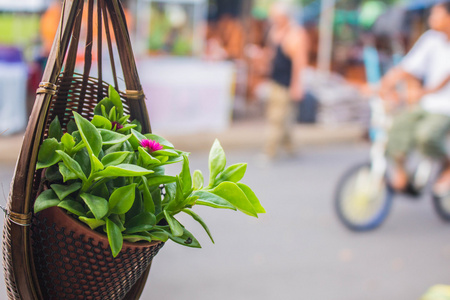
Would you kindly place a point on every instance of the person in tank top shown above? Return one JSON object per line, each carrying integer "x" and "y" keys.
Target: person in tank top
{"x": 289, "y": 46}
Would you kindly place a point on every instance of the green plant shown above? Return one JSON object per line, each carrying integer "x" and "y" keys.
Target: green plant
{"x": 109, "y": 175}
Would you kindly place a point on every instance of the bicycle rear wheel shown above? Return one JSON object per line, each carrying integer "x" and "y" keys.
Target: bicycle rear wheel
{"x": 363, "y": 199}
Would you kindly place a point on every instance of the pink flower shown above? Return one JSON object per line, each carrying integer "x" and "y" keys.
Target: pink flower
{"x": 116, "y": 125}
{"x": 151, "y": 145}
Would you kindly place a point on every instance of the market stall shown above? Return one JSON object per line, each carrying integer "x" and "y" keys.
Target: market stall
{"x": 187, "y": 92}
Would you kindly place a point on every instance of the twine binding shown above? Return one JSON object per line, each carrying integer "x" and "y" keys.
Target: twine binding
{"x": 46, "y": 88}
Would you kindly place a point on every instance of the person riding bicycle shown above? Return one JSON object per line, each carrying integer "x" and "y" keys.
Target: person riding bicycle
{"x": 424, "y": 125}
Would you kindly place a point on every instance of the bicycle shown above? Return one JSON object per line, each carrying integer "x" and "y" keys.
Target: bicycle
{"x": 363, "y": 196}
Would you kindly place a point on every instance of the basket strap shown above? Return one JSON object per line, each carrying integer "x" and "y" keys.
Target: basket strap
{"x": 138, "y": 109}
{"x": 108, "y": 39}
{"x": 73, "y": 48}
{"x": 87, "y": 55}
{"x": 99, "y": 50}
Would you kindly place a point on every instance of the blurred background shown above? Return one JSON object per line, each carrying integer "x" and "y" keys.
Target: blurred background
{"x": 204, "y": 71}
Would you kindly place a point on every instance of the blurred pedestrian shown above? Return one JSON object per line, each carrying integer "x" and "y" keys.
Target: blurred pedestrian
{"x": 289, "y": 45}
{"x": 426, "y": 122}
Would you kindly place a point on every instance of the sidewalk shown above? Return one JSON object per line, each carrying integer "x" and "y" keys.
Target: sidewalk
{"x": 240, "y": 135}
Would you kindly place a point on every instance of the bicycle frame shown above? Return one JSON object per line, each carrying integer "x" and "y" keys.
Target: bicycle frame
{"x": 380, "y": 123}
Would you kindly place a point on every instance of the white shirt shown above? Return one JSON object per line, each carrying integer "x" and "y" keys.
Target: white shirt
{"x": 429, "y": 60}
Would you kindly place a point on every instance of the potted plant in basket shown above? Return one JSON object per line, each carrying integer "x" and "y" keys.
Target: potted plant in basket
{"x": 110, "y": 176}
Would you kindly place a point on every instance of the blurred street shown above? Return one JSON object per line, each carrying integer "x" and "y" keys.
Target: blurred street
{"x": 244, "y": 71}
{"x": 299, "y": 250}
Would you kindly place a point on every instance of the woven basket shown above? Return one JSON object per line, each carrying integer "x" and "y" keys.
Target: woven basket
{"x": 25, "y": 244}
{"x": 74, "y": 262}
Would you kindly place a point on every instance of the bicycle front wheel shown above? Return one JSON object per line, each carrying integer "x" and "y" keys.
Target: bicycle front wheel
{"x": 363, "y": 199}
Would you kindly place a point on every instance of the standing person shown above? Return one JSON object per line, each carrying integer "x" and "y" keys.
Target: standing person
{"x": 289, "y": 45}
{"x": 425, "y": 124}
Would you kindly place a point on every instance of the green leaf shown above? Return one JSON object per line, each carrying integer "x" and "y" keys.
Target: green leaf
{"x": 46, "y": 200}
{"x": 217, "y": 162}
{"x": 138, "y": 125}
{"x": 186, "y": 239}
{"x": 53, "y": 174}
{"x": 159, "y": 139}
{"x": 123, "y": 170}
{"x": 172, "y": 160}
{"x": 71, "y": 126}
{"x": 136, "y": 138}
{"x": 114, "y": 237}
{"x": 55, "y": 130}
{"x": 101, "y": 122}
{"x": 101, "y": 190}
{"x": 138, "y": 205}
{"x": 166, "y": 152}
{"x": 47, "y": 155}
{"x": 68, "y": 141}
{"x": 103, "y": 107}
{"x": 97, "y": 163}
{"x": 115, "y": 99}
{"x": 136, "y": 238}
{"x": 198, "y": 180}
{"x": 252, "y": 198}
{"x": 175, "y": 226}
{"x": 117, "y": 148}
{"x": 119, "y": 220}
{"x": 231, "y": 192}
{"x": 83, "y": 159}
{"x": 72, "y": 206}
{"x": 126, "y": 128}
{"x": 160, "y": 179}
{"x": 112, "y": 114}
{"x": 233, "y": 173}
{"x": 156, "y": 196}
{"x": 90, "y": 135}
{"x": 158, "y": 235}
{"x": 122, "y": 199}
{"x": 72, "y": 165}
{"x": 97, "y": 205}
{"x": 111, "y": 137}
{"x": 149, "y": 205}
{"x": 147, "y": 159}
{"x": 199, "y": 220}
{"x": 171, "y": 191}
{"x": 92, "y": 223}
{"x": 212, "y": 200}
{"x": 185, "y": 176}
{"x": 142, "y": 222}
{"x": 127, "y": 146}
{"x": 66, "y": 173}
{"x": 63, "y": 190}
{"x": 114, "y": 159}
{"x": 124, "y": 119}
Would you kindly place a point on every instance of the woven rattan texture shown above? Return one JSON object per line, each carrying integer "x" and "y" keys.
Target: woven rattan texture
{"x": 71, "y": 267}
{"x": 75, "y": 95}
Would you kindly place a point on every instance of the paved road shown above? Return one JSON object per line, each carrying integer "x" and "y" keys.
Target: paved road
{"x": 298, "y": 250}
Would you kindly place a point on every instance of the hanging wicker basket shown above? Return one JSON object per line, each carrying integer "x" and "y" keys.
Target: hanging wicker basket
{"x": 44, "y": 256}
